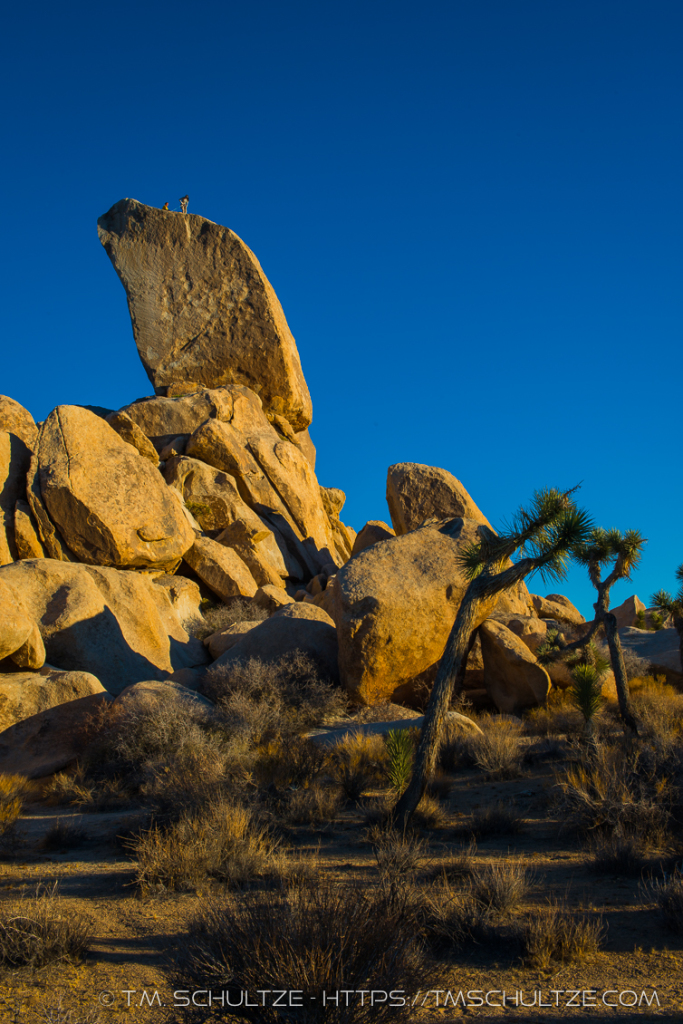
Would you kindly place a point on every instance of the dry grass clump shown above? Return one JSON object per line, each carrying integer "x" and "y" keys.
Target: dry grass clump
{"x": 357, "y": 762}
{"x": 497, "y": 819}
{"x": 457, "y": 750}
{"x": 13, "y": 791}
{"x": 223, "y": 842}
{"x": 499, "y": 888}
{"x": 257, "y": 698}
{"x": 451, "y": 918}
{"x": 555, "y": 935}
{"x": 458, "y": 864}
{"x": 38, "y": 931}
{"x": 618, "y": 854}
{"x": 75, "y": 789}
{"x": 557, "y": 717}
{"x": 616, "y": 790}
{"x": 222, "y": 616}
{"x": 429, "y": 813}
{"x": 63, "y": 835}
{"x": 659, "y": 709}
{"x": 666, "y": 894}
{"x": 498, "y": 752}
{"x": 317, "y": 937}
{"x": 289, "y": 761}
{"x": 397, "y": 853}
{"x": 313, "y": 805}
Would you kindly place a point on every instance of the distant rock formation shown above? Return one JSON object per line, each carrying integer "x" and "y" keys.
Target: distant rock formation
{"x": 202, "y": 308}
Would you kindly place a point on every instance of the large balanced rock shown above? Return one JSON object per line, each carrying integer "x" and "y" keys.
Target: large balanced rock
{"x": 53, "y": 738}
{"x": 416, "y": 492}
{"x": 558, "y": 607}
{"x": 296, "y": 627}
{"x": 17, "y": 420}
{"x": 110, "y": 505}
{"x": 395, "y": 604}
{"x": 512, "y": 676}
{"x": 23, "y": 694}
{"x": 15, "y": 460}
{"x": 118, "y": 625}
{"x": 202, "y": 308}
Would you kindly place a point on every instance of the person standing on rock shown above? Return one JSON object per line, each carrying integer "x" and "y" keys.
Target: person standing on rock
{"x": 165, "y": 206}
{"x": 183, "y": 203}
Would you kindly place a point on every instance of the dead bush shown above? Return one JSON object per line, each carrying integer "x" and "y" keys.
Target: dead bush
{"x": 451, "y": 918}
{"x": 291, "y": 761}
{"x": 39, "y": 930}
{"x": 313, "y": 805}
{"x": 666, "y": 894}
{"x": 396, "y": 853}
{"x": 616, "y": 790}
{"x": 555, "y": 935}
{"x": 497, "y": 819}
{"x": 317, "y": 937}
{"x": 659, "y": 708}
{"x": 498, "y": 751}
{"x": 223, "y": 842}
{"x": 222, "y": 616}
{"x": 286, "y": 697}
{"x": 499, "y": 888}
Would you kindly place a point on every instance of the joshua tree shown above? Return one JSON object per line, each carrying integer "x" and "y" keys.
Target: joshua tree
{"x": 664, "y": 602}
{"x": 600, "y": 548}
{"x": 543, "y": 536}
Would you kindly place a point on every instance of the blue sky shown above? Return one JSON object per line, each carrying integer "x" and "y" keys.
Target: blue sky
{"x": 471, "y": 212}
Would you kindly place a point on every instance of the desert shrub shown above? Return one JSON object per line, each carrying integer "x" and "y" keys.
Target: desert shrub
{"x": 615, "y": 790}
{"x": 63, "y": 835}
{"x": 457, "y": 748}
{"x": 222, "y": 616}
{"x": 38, "y": 931}
{"x": 497, "y": 819}
{"x": 498, "y": 751}
{"x": 557, "y": 717}
{"x": 289, "y": 761}
{"x": 634, "y": 665}
{"x": 312, "y": 805}
{"x": 74, "y": 788}
{"x": 222, "y": 841}
{"x": 286, "y": 697}
{"x": 400, "y": 755}
{"x": 13, "y": 791}
{"x": 396, "y": 853}
{"x": 659, "y": 708}
{"x": 618, "y": 853}
{"x": 451, "y": 918}
{"x": 318, "y": 936}
{"x": 666, "y": 894}
{"x": 429, "y": 813}
{"x": 555, "y": 935}
{"x": 499, "y": 888}
{"x": 356, "y": 762}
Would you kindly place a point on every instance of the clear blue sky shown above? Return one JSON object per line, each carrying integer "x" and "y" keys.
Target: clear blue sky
{"x": 471, "y": 211}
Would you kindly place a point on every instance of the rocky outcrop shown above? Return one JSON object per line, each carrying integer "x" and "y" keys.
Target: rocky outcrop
{"x": 130, "y": 432}
{"x": 26, "y": 537}
{"x": 202, "y": 308}
{"x": 557, "y": 607}
{"x": 118, "y": 625}
{"x": 167, "y": 419}
{"x": 661, "y": 649}
{"x": 219, "y": 643}
{"x": 512, "y": 676}
{"x": 416, "y": 492}
{"x": 17, "y": 420}
{"x": 221, "y": 569}
{"x": 185, "y": 597}
{"x": 155, "y": 697}
{"x": 372, "y": 533}
{"x": 297, "y": 627}
{"x": 394, "y": 606}
{"x": 15, "y": 460}
{"x": 627, "y": 612}
{"x": 110, "y": 506}
{"x": 20, "y": 638}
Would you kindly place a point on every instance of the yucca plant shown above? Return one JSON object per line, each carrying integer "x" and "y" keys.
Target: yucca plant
{"x": 586, "y": 695}
{"x": 401, "y": 751}
{"x": 542, "y": 538}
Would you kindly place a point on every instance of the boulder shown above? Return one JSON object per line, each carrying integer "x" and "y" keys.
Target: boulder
{"x": 555, "y": 606}
{"x": 154, "y": 696}
{"x": 627, "y": 612}
{"x": 531, "y": 630}
{"x": 661, "y": 649}
{"x": 111, "y": 506}
{"x": 271, "y": 599}
{"x": 118, "y": 625}
{"x": 171, "y": 420}
{"x": 344, "y": 537}
{"x": 131, "y": 433}
{"x": 247, "y": 541}
{"x": 185, "y": 597}
{"x": 17, "y": 420}
{"x": 219, "y": 643}
{"x": 394, "y": 606}
{"x": 202, "y": 308}
{"x": 15, "y": 461}
{"x": 512, "y": 676}
{"x": 23, "y": 694}
{"x": 20, "y": 638}
{"x": 51, "y": 740}
{"x": 298, "y": 627}
{"x": 26, "y": 536}
{"x": 372, "y": 533}
{"x": 416, "y": 492}
{"x": 221, "y": 569}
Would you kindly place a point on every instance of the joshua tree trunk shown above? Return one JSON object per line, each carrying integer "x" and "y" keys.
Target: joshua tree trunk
{"x": 620, "y": 677}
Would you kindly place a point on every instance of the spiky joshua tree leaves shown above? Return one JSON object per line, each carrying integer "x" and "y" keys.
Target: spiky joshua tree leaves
{"x": 666, "y": 604}
{"x": 623, "y": 551}
{"x": 541, "y": 537}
